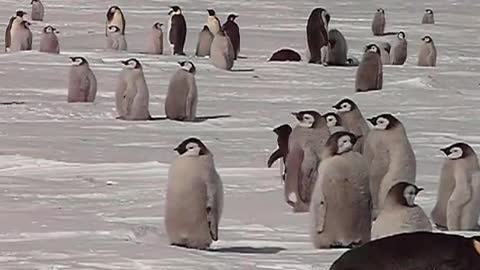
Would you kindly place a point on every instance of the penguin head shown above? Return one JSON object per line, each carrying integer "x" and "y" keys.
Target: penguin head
{"x": 232, "y": 17}
{"x": 111, "y": 12}
{"x": 458, "y": 151}
{"x": 384, "y": 121}
{"x": 132, "y": 63}
{"x": 325, "y": 17}
{"x": 175, "y": 10}
{"x": 113, "y": 29}
{"x": 372, "y": 48}
{"x": 211, "y": 12}
{"x": 429, "y": 11}
{"x": 345, "y": 105}
{"x": 427, "y": 39}
{"x": 192, "y": 147}
{"x": 188, "y": 66}
{"x": 307, "y": 119}
{"x": 401, "y": 35}
{"x": 50, "y": 29}
{"x": 78, "y": 61}
{"x": 404, "y": 193}
{"x": 20, "y": 13}
{"x": 333, "y": 120}
{"x": 158, "y": 25}
{"x": 283, "y": 130}
{"x": 341, "y": 142}
{"x": 380, "y": 10}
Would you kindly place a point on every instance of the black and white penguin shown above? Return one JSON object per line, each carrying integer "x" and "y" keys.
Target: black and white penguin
{"x": 317, "y": 36}
{"x": 177, "y": 30}
{"x": 283, "y": 133}
{"x": 233, "y": 32}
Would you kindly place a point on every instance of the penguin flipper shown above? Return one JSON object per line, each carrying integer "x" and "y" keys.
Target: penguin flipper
{"x": 214, "y": 203}
{"x": 461, "y": 196}
{"x": 320, "y": 210}
{"x": 309, "y": 173}
{"x": 274, "y": 157}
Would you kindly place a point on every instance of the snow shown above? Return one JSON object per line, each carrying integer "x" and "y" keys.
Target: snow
{"x": 81, "y": 190}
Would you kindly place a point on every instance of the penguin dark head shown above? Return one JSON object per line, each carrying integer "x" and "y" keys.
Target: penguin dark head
{"x": 401, "y": 35}
{"x": 429, "y": 11}
{"x": 381, "y": 10}
{"x": 427, "y": 39}
{"x": 78, "y": 61}
{"x": 26, "y": 24}
{"x": 34, "y": 1}
{"x": 132, "y": 63}
{"x": 323, "y": 14}
{"x": 158, "y": 25}
{"x": 308, "y": 119}
{"x": 340, "y": 142}
{"x": 458, "y": 150}
{"x": 345, "y": 105}
{"x": 372, "y": 48}
{"x": 403, "y": 193}
{"x": 50, "y": 29}
{"x": 188, "y": 66}
{"x": 20, "y": 13}
{"x": 211, "y": 12}
{"x": 232, "y": 17}
{"x": 333, "y": 120}
{"x": 283, "y": 130}
{"x": 384, "y": 121}
{"x": 192, "y": 147}
{"x": 111, "y": 12}
{"x": 175, "y": 10}
{"x": 113, "y": 29}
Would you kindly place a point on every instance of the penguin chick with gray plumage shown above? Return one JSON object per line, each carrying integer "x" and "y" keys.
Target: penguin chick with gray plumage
{"x": 340, "y": 211}
{"x": 400, "y": 214}
{"x": 337, "y": 48}
{"x": 353, "y": 121}
{"x": 132, "y": 94}
{"x": 427, "y": 56}
{"x": 49, "y": 40}
{"x": 222, "y": 54}
{"x": 378, "y": 23}
{"x": 182, "y": 95}
{"x": 233, "y": 32}
{"x": 38, "y": 10}
{"x": 369, "y": 75}
{"x": 115, "y": 39}
{"x": 334, "y": 122}
{"x": 385, "y": 48}
{"x": 283, "y": 133}
{"x": 317, "y": 36}
{"x": 428, "y": 17}
{"x": 194, "y": 201}
{"x": 398, "y": 53}
{"x": 155, "y": 39}
{"x": 82, "y": 83}
{"x": 205, "y": 39}
{"x": 17, "y": 19}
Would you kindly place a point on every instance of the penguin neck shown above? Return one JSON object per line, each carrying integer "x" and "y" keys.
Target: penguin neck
{"x": 355, "y": 122}
{"x": 469, "y": 163}
{"x": 393, "y": 202}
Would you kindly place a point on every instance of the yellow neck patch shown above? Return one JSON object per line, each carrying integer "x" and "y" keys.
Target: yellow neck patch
{"x": 476, "y": 245}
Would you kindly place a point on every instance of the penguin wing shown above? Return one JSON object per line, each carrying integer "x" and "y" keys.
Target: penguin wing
{"x": 319, "y": 206}
{"x": 92, "y": 91}
{"x": 177, "y": 30}
{"x": 273, "y": 157}
{"x": 460, "y": 197}
{"x": 308, "y": 176}
{"x": 214, "y": 202}
{"x": 120, "y": 95}
{"x": 85, "y": 85}
{"x": 8, "y": 36}
{"x": 191, "y": 97}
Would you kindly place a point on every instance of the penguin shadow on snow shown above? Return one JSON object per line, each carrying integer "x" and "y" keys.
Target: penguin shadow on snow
{"x": 7, "y": 103}
{"x": 248, "y": 250}
{"x": 198, "y": 119}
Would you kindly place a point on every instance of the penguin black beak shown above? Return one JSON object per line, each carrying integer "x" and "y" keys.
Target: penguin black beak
{"x": 170, "y": 12}
{"x": 444, "y": 150}
{"x": 72, "y": 59}
{"x": 125, "y": 62}
{"x": 295, "y": 114}
{"x": 419, "y": 190}
{"x": 175, "y": 149}
{"x": 371, "y": 120}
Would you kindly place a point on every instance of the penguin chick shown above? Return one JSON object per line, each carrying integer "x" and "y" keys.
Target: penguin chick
{"x": 213, "y": 22}
{"x": 370, "y": 71}
{"x": 385, "y": 48}
{"x": 398, "y": 54}
{"x": 400, "y": 213}
{"x": 194, "y": 201}
{"x": 233, "y": 32}
{"x": 116, "y": 18}
{"x": 353, "y": 121}
{"x": 82, "y": 83}
{"x": 285, "y": 55}
{"x": 182, "y": 96}
{"x": 337, "y": 48}
{"x": 317, "y": 36}
{"x": 378, "y": 23}
{"x": 177, "y": 30}
{"x": 49, "y": 40}
{"x": 428, "y": 17}
{"x": 222, "y": 54}
{"x": 115, "y": 39}
{"x": 155, "y": 39}
{"x": 283, "y": 133}
{"x": 38, "y": 10}
{"x": 427, "y": 56}
{"x": 334, "y": 122}
{"x": 205, "y": 39}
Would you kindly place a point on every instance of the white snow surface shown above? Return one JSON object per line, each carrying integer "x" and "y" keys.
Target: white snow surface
{"x": 81, "y": 190}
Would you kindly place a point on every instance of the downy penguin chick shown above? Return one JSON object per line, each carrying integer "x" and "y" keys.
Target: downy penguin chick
{"x": 38, "y": 10}
{"x": 334, "y": 122}
{"x": 155, "y": 39}
{"x": 378, "y": 23}
{"x": 222, "y": 54}
{"x": 49, "y": 41}
{"x": 428, "y": 17}
{"x": 370, "y": 71}
{"x": 82, "y": 83}
{"x": 205, "y": 39}
{"x": 182, "y": 95}
{"x": 353, "y": 121}
{"x": 398, "y": 53}
{"x": 337, "y": 48}
{"x": 427, "y": 56}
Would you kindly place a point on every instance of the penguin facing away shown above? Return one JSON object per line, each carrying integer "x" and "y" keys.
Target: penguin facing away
{"x": 222, "y": 54}
{"x": 337, "y": 48}
{"x": 82, "y": 83}
{"x": 285, "y": 55}
{"x": 38, "y": 10}
{"x": 317, "y": 36}
{"x": 213, "y": 22}
{"x": 378, "y": 23}
{"x": 353, "y": 121}
{"x": 369, "y": 75}
{"x": 115, "y": 39}
{"x": 385, "y": 48}
{"x": 8, "y": 32}
{"x": 177, "y": 30}
{"x": 116, "y": 18}
{"x": 155, "y": 39}
{"x": 233, "y": 32}
{"x": 194, "y": 201}
{"x": 283, "y": 132}
{"x": 428, "y": 17}
{"x": 49, "y": 40}
{"x": 182, "y": 96}
{"x": 398, "y": 53}
{"x": 427, "y": 56}
{"x": 205, "y": 39}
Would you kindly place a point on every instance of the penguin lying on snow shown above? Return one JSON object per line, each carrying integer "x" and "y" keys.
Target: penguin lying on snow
{"x": 285, "y": 55}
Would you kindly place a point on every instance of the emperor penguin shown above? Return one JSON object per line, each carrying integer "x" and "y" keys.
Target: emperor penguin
{"x": 131, "y": 94}
{"x": 49, "y": 40}
{"x": 385, "y": 48}
{"x": 17, "y": 19}
{"x": 427, "y": 56}
{"x": 337, "y": 48}
{"x": 283, "y": 134}
{"x": 182, "y": 96}
{"x": 116, "y": 18}
{"x": 334, "y": 122}
{"x": 177, "y": 30}
{"x": 418, "y": 250}
{"x": 340, "y": 211}
{"x": 82, "y": 83}
{"x": 400, "y": 214}
{"x": 233, "y": 32}
{"x": 115, "y": 40}
{"x": 155, "y": 39}
{"x": 378, "y": 23}
{"x": 353, "y": 121}
{"x": 21, "y": 36}
{"x": 194, "y": 201}
{"x": 305, "y": 147}
{"x": 285, "y": 55}
{"x": 38, "y": 10}
{"x": 369, "y": 75}
{"x": 222, "y": 54}
{"x": 317, "y": 36}
{"x": 460, "y": 163}
{"x": 398, "y": 53}
{"x": 205, "y": 39}
{"x": 390, "y": 157}
{"x": 428, "y": 17}
{"x": 213, "y": 22}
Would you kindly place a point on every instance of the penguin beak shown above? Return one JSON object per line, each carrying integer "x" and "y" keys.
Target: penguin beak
{"x": 125, "y": 62}
{"x": 419, "y": 190}
{"x": 170, "y": 12}
{"x": 72, "y": 59}
{"x": 371, "y": 120}
{"x": 444, "y": 150}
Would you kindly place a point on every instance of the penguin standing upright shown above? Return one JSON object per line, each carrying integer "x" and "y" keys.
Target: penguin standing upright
{"x": 17, "y": 19}
{"x": 283, "y": 133}
{"x": 353, "y": 121}
{"x": 21, "y": 36}
{"x": 116, "y": 18}
{"x": 205, "y": 39}
{"x": 317, "y": 36}
{"x": 370, "y": 71}
{"x": 182, "y": 96}
{"x": 49, "y": 40}
{"x": 334, "y": 122}
{"x": 398, "y": 53}
{"x": 428, "y": 17}
{"x": 378, "y": 23}
{"x": 82, "y": 83}
{"x": 213, "y": 22}
{"x": 233, "y": 32}
{"x": 115, "y": 39}
{"x": 337, "y": 48}
{"x": 385, "y": 48}
{"x": 155, "y": 39}
{"x": 427, "y": 57}
{"x": 177, "y": 30}
{"x": 222, "y": 54}
{"x": 38, "y": 10}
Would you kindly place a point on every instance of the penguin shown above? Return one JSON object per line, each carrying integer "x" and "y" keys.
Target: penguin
{"x": 49, "y": 40}
{"x": 305, "y": 146}
{"x": 116, "y": 18}
{"x": 370, "y": 71}
{"x": 155, "y": 39}
{"x": 418, "y": 250}
{"x": 285, "y": 55}
{"x": 340, "y": 212}
{"x": 398, "y": 53}
{"x": 21, "y": 36}
{"x": 317, "y": 36}
{"x": 427, "y": 56}
{"x": 385, "y": 48}
{"x": 194, "y": 201}
{"x": 213, "y": 22}
{"x": 182, "y": 96}
{"x": 38, "y": 10}
{"x": 115, "y": 40}
{"x": 390, "y": 156}
{"x": 428, "y": 17}
{"x": 205, "y": 39}
{"x": 283, "y": 132}
{"x": 82, "y": 83}
{"x": 222, "y": 54}
{"x": 378, "y": 23}
{"x": 337, "y": 48}
{"x": 131, "y": 94}
{"x": 352, "y": 61}
{"x": 18, "y": 18}
{"x": 352, "y": 120}
{"x": 334, "y": 122}
{"x": 233, "y": 32}
{"x": 177, "y": 30}
{"x": 400, "y": 213}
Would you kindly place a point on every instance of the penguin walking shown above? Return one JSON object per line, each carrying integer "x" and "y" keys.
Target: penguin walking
{"x": 385, "y": 48}
{"x": 194, "y": 201}
{"x": 115, "y": 40}
{"x": 317, "y": 36}
{"x": 155, "y": 39}
{"x": 205, "y": 39}
{"x": 233, "y": 32}
{"x": 337, "y": 48}
{"x": 340, "y": 211}
{"x": 283, "y": 134}
{"x": 428, "y": 17}
{"x": 222, "y": 54}
{"x": 378, "y": 23}
{"x": 38, "y": 10}
{"x": 116, "y": 18}
{"x": 17, "y": 19}
{"x": 427, "y": 56}
{"x": 182, "y": 95}
{"x": 177, "y": 30}
{"x": 213, "y": 22}
{"x": 284, "y": 55}
{"x": 131, "y": 94}
{"x": 398, "y": 53}
{"x": 49, "y": 40}
{"x": 400, "y": 214}
{"x": 369, "y": 75}
{"x": 352, "y": 120}
{"x": 334, "y": 122}
{"x": 82, "y": 83}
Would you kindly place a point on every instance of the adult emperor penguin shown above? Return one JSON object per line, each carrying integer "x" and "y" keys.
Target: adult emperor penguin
{"x": 317, "y": 36}
{"x": 222, "y": 54}
{"x": 132, "y": 92}
{"x": 17, "y": 19}
{"x": 419, "y": 250}
{"x": 378, "y": 23}
{"x": 116, "y": 18}
{"x": 194, "y": 201}
{"x": 283, "y": 134}
{"x": 38, "y": 10}
{"x": 385, "y": 48}
{"x": 400, "y": 214}
{"x": 427, "y": 56}
{"x": 155, "y": 39}
{"x": 461, "y": 162}
{"x": 115, "y": 40}
{"x": 428, "y": 17}
{"x": 82, "y": 83}
{"x": 340, "y": 211}
{"x": 334, "y": 122}
{"x": 21, "y": 36}
{"x": 205, "y": 39}
{"x": 390, "y": 156}
{"x": 233, "y": 32}
{"x": 182, "y": 95}
{"x": 353, "y": 121}
{"x": 213, "y": 22}
{"x": 305, "y": 147}
{"x": 49, "y": 40}
{"x": 398, "y": 53}
{"x": 337, "y": 48}
{"x": 177, "y": 30}
{"x": 370, "y": 71}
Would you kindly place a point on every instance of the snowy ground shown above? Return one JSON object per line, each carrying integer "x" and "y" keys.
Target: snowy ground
{"x": 81, "y": 190}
